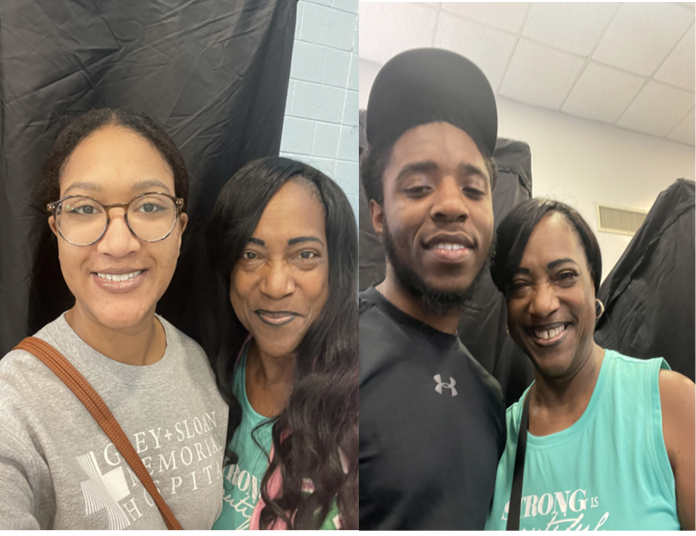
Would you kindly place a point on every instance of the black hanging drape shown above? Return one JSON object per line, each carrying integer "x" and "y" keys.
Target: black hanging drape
{"x": 484, "y": 320}
{"x": 483, "y": 326}
{"x": 213, "y": 73}
{"x": 649, "y": 294}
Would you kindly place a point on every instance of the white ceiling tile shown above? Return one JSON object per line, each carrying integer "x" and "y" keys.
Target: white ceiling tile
{"x": 684, "y": 132}
{"x": 642, "y": 34}
{"x": 504, "y": 15}
{"x": 602, "y": 93}
{"x": 488, "y": 48}
{"x": 573, "y": 27}
{"x": 389, "y": 28}
{"x": 657, "y": 109}
{"x": 678, "y": 69}
{"x": 540, "y": 75}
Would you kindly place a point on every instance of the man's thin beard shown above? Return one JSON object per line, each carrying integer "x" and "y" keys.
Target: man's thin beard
{"x": 435, "y": 302}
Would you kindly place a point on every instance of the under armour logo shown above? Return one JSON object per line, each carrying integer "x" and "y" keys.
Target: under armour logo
{"x": 441, "y": 384}
{"x": 103, "y": 491}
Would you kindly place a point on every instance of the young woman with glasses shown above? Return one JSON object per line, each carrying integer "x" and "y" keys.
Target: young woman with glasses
{"x": 117, "y": 186}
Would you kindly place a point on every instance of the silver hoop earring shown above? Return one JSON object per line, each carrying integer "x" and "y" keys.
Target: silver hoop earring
{"x": 599, "y": 303}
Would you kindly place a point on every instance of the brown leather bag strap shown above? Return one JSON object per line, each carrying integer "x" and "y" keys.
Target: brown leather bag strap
{"x": 53, "y": 359}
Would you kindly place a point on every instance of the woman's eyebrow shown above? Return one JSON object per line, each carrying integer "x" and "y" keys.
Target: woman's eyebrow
{"x": 549, "y": 266}
{"x": 300, "y": 239}
{"x": 555, "y": 263}
{"x": 149, "y": 183}
{"x": 90, "y": 186}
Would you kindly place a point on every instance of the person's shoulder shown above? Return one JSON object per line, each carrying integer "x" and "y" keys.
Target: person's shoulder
{"x": 56, "y": 331}
{"x": 189, "y": 354}
{"x": 514, "y": 412}
{"x": 373, "y": 323}
{"x": 22, "y": 374}
{"x": 27, "y": 388}
{"x": 366, "y": 300}
{"x": 26, "y": 383}
{"x": 624, "y": 367}
{"x": 179, "y": 340}
{"x": 485, "y": 377}
{"x": 676, "y": 390}
{"x": 633, "y": 362}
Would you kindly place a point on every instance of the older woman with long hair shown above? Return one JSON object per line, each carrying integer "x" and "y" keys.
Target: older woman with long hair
{"x": 282, "y": 335}
{"x": 600, "y": 440}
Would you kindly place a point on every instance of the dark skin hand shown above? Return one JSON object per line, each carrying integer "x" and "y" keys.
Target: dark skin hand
{"x": 677, "y": 401}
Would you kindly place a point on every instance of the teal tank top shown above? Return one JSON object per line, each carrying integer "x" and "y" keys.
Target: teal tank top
{"x": 242, "y": 481}
{"x": 609, "y": 471}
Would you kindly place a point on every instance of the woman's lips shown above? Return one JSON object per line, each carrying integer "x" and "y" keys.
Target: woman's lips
{"x": 276, "y": 318}
{"x": 550, "y": 335}
{"x": 135, "y": 279}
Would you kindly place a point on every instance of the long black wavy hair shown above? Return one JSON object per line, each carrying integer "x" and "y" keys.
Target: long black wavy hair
{"x": 320, "y": 421}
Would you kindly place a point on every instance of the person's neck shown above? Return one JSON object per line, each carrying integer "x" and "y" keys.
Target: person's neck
{"x": 268, "y": 380}
{"x": 557, "y": 403}
{"x": 392, "y": 290}
{"x": 140, "y": 345}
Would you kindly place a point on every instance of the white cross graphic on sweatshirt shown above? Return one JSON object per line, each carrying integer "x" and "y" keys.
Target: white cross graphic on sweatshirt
{"x": 104, "y": 491}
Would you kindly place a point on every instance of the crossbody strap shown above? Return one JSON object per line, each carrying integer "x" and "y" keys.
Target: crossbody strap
{"x": 54, "y": 360}
{"x": 513, "y": 522}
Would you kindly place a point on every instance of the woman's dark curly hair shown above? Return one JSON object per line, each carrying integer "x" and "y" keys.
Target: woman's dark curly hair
{"x": 320, "y": 421}
{"x": 84, "y": 125}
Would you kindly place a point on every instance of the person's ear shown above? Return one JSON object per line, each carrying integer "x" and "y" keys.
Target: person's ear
{"x": 52, "y": 224}
{"x": 377, "y": 216}
{"x": 183, "y": 222}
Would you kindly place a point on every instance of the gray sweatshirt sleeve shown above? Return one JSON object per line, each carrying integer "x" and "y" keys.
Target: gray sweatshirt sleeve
{"x": 22, "y": 482}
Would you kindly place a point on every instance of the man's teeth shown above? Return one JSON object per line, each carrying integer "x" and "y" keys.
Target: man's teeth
{"x": 124, "y": 277}
{"x": 549, "y": 334}
{"x": 452, "y": 247}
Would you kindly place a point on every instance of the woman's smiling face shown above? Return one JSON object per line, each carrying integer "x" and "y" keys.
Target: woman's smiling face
{"x": 551, "y": 302}
{"x": 113, "y": 165}
{"x": 281, "y": 282}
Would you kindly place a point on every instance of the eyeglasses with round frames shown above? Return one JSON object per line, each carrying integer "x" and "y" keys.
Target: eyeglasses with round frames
{"x": 82, "y": 220}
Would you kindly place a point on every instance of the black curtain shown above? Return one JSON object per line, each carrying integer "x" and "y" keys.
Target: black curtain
{"x": 213, "y": 73}
{"x": 483, "y": 328}
{"x": 649, "y": 294}
{"x": 484, "y": 320}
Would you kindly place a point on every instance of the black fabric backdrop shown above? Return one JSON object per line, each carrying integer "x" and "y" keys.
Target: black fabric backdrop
{"x": 484, "y": 321}
{"x": 649, "y": 294}
{"x": 213, "y": 73}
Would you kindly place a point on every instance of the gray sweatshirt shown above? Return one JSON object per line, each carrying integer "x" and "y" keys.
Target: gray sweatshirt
{"x": 59, "y": 470}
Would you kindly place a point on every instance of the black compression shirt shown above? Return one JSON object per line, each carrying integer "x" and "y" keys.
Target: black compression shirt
{"x": 432, "y": 425}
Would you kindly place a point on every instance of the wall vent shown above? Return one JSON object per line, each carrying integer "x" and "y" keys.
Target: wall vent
{"x": 625, "y": 221}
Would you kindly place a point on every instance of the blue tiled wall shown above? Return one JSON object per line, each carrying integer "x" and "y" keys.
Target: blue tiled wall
{"x": 321, "y": 115}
